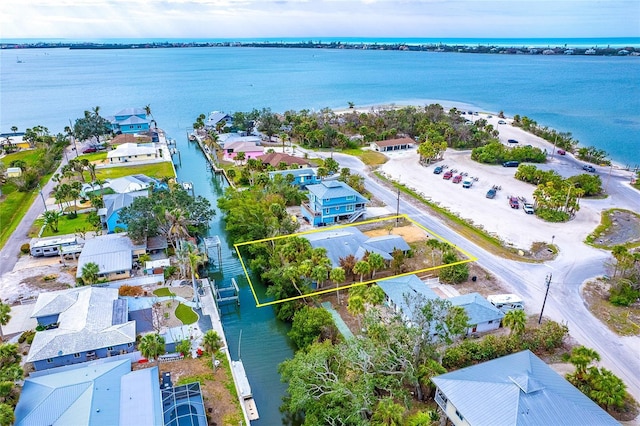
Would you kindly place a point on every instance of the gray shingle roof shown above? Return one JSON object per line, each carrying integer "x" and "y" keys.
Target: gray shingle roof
{"x": 518, "y": 389}
{"x": 478, "y": 308}
{"x": 85, "y": 325}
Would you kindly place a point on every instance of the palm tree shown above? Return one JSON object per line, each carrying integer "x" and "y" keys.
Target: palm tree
{"x": 51, "y": 218}
{"x": 581, "y": 357}
{"x": 362, "y": 267}
{"x": 92, "y": 171}
{"x": 5, "y": 309}
{"x": 376, "y": 261}
{"x": 90, "y": 273}
{"x": 356, "y": 306}
{"x": 193, "y": 259}
{"x": 338, "y": 276}
{"x": 211, "y": 341}
{"x": 388, "y": 413}
{"x": 516, "y": 320}
{"x": 240, "y": 156}
{"x": 374, "y": 295}
{"x": 151, "y": 346}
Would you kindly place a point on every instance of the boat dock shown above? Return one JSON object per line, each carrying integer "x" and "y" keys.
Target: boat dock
{"x": 244, "y": 389}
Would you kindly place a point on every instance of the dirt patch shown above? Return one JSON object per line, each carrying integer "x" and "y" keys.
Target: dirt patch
{"x": 409, "y": 233}
{"x": 624, "y": 229}
{"x": 221, "y": 405}
{"x": 485, "y": 283}
{"x": 624, "y": 321}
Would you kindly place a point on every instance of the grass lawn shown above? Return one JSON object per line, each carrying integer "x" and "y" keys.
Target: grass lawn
{"x": 163, "y": 292}
{"x": 185, "y": 314}
{"x": 94, "y": 156}
{"x": 29, "y": 156}
{"x": 66, "y": 225}
{"x": 370, "y": 158}
{"x": 156, "y": 170}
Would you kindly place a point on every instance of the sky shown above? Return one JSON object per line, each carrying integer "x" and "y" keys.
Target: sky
{"x": 96, "y": 19}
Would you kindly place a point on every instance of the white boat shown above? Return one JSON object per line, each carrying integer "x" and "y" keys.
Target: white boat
{"x": 187, "y": 186}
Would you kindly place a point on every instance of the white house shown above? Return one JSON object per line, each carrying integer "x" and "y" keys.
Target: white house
{"x": 131, "y": 152}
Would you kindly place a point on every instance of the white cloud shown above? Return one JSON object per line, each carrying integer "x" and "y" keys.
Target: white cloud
{"x": 301, "y": 18}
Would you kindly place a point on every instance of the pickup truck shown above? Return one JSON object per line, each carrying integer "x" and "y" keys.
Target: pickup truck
{"x": 467, "y": 183}
{"x": 447, "y": 175}
{"x": 513, "y": 202}
{"x": 437, "y": 170}
{"x": 528, "y": 208}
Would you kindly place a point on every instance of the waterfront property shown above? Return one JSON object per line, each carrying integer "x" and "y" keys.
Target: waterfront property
{"x": 347, "y": 241}
{"x": 300, "y": 177}
{"x": 124, "y": 184}
{"x": 130, "y": 120}
{"x": 112, "y": 253}
{"x": 250, "y": 149}
{"x": 183, "y": 406}
{"x": 113, "y": 204}
{"x": 132, "y": 152}
{"x": 80, "y": 324}
{"x": 483, "y": 316}
{"x": 218, "y": 119}
{"x": 517, "y": 389}
{"x": 228, "y": 138}
{"x": 332, "y": 201}
{"x": 392, "y": 144}
{"x": 276, "y": 159}
{"x": 400, "y": 292}
{"x": 94, "y": 394}
{"x": 130, "y": 138}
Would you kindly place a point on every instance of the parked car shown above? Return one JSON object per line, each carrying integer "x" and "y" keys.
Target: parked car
{"x": 561, "y": 152}
{"x": 512, "y": 141}
{"x": 528, "y": 208}
{"x": 492, "y": 193}
{"x": 510, "y": 164}
{"x": 447, "y": 175}
{"x": 89, "y": 150}
{"x": 502, "y": 122}
{"x": 437, "y": 170}
{"x": 457, "y": 179}
{"x": 589, "y": 168}
{"x": 513, "y": 202}
{"x": 467, "y": 183}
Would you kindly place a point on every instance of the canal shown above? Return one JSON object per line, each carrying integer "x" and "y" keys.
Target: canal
{"x": 252, "y": 333}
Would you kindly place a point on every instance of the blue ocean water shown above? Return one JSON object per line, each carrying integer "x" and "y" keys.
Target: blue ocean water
{"x": 595, "y": 98}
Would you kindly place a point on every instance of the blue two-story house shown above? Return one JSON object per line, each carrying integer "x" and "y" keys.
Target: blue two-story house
{"x": 299, "y": 177}
{"x": 130, "y": 120}
{"x": 80, "y": 324}
{"x": 332, "y": 201}
{"x": 113, "y": 204}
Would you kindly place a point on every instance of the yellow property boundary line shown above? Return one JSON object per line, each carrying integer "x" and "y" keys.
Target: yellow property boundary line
{"x": 470, "y": 258}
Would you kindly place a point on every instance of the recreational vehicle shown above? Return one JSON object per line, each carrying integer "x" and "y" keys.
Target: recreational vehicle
{"x": 506, "y": 302}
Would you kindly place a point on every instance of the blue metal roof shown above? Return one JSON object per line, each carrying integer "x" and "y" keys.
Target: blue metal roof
{"x": 330, "y": 189}
{"x": 478, "y": 308}
{"x": 518, "y": 389}
{"x": 401, "y": 289}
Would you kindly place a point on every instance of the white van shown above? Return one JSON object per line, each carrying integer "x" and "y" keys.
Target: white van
{"x": 506, "y": 302}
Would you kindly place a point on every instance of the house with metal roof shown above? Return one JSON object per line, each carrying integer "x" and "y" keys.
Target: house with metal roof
{"x": 404, "y": 294}
{"x": 132, "y": 152}
{"x": 215, "y": 118}
{"x": 300, "y": 177}
{"x": 113, "y": 204}
{"x": 81, "y": 324}
{"x": 517, "y": 389}
{"x": 343, "y": 242}
{"x": 113, "y": 253}
{"x": 332, "y": 201}
{"x": 93, "y": 394}
{"x": 129, "y": 120}
{"x": 483, "y": 316}
{"x": 392, "y": 144}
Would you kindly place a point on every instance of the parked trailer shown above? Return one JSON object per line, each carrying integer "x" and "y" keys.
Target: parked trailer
{"x": 506, "y": 302}
{"x": 51, "y": 246}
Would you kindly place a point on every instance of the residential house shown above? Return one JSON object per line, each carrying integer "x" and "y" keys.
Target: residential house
{"x": 130, "y": 120}
{"x": 94, "y": 394}
{"x": 132, "y": 152}
{"x": 81, "y": 324}
{"x": 13, "y": 141}
{"x": 250, "y": 149}
{"x": 113, "y": 253}
{"x": 517, "y": 389}
{"x": 392, "y": 144}
{"x": 129, "y": 138}
{"x": 14, "y": 172}
{"x": 483, "y": 316}
{"x": 275, "y": 159}
{"x": 332, "y": 201}
{"x": 228, "y": 138}
{"x": 113, "y": 204}
{"x": 343, "y": 242}
{"x": 301, "y": 177}
{"x": 215, "y": 118}
{"x": 124, "y": 184}
{"x": 405, "y": 294}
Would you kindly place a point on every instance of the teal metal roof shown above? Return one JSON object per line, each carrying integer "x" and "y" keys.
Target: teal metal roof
{"x": 518, "y": 389}
{"x": 330, "y": 189}
{"x": 399, "y": 290}
{"x": 478, "y": 308}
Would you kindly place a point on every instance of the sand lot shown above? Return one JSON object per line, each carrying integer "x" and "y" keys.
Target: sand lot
{"x": 513, "y": 226}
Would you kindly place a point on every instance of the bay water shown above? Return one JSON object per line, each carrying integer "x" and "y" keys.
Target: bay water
{"x": 595, "y": 98}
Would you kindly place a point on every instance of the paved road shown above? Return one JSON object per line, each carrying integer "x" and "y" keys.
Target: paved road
{"x": 564, "y": 304}
{"x": 11, "y": 250}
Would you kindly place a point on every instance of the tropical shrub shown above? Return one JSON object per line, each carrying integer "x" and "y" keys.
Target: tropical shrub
{"x": 25, "y": 248}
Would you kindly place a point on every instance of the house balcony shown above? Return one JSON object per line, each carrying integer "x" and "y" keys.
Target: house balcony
{"x": 312, "y": 212}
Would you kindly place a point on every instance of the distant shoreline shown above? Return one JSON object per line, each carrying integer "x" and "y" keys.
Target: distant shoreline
{"x": 397, "y": 46}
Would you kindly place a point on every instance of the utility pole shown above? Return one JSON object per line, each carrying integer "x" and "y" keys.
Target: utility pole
{"x": 548, "y": 283}
{"x": 398, "y": 208}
